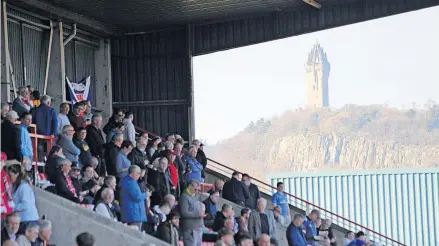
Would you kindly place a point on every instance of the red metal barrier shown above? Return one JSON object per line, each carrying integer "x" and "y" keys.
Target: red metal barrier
{"x": 205, "y": 187}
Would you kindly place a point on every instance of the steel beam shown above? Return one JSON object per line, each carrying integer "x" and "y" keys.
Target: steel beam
{"x": 64, "y": 14}
{"x": 152, "y": 103}
{"x": 313, "y": 3}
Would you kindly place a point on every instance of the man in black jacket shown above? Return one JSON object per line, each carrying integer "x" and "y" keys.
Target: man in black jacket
{"x": 64, "y": 183}
{"x": 235, "y": 190}
{"x": 79, "y": 141}
{"x": 118, "y": 116}
{"x": 111, "y": 151}
{"x": 96, "y": 142}
{"x": 253, "y": 191}
{"x": 11, "y": 139}
{"x": 226, "y": 212}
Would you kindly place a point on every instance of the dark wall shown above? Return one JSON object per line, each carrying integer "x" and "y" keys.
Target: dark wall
{"x": 152, "y": 76}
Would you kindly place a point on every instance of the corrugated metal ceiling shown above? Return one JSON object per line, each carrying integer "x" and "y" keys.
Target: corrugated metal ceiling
{"x": 135, "y": 15}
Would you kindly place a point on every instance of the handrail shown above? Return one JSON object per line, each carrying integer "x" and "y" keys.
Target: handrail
{"x": 295, "y": 197}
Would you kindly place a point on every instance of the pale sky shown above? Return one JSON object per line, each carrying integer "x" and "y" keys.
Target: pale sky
{"x": 393, "y": 60}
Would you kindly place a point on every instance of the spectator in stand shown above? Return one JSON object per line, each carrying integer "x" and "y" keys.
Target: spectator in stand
{"x": 7, "y": 203}
{"x": 138, "y": 155}
{"x": 226, "y": 212}
{"x": 235, "y": 190}
{"x": 30, "y": 235}
{"x": 130, "y": 131}
{"x": 45, "y": 233}
{"x": 65, "y": 141}
{"x": 96, "y": 142}
{"x": 35, "y": 97}
{"x": 11, "y": 137}
{"x": 105, "y": 205}
{"x": 325, "y": 231}
{"x": 277, "y": 211}
{"x": 118, "y": 116}
{"x": 162, "y": 211}
{"x": 309, "y": 226}
{"x": 5, "y": 108}
{"x": 85, "y": 191}
{"x": 152, "y": 148}
{"x": 191, "y": 222}
{"x": 22, "y": 104}
{"x": 30, "y": 89}
{"x": 229, "y": 223}
{"x": 201, "y": 156}
{"x": 111, "y": 151}
{"x": 253, "y": 191}
{"x": 85, "y": 157}
{"x": 280, "y": 198}
{"x": 173, "y": 171}
{"x": 75, "y": 116}
{"x": 63, "y": 120}
{"x": 85, "y": 239}
{"x": 90, "y": 178}
{"x": 170, "y": 199}
{"x": 23, "y": 196}
{"x": 26, "y": 142}
{"x": 195, "y": 167}
{"x": 170, "y": 138}
{"x": 225, "y": 237}
{"x": 119, "y": 128}
{"x": 168, "y": 231}
{"x": 180, "y": 163}
{"x": 261, "y": 221}
{"x": 45, "y": 118}
{"x": 122, "y": 161}
{"x": 87, "y": 112}
{"x": 243, "y": 220}
{"x": 211, "y": 209}
{"x": 132, "y": 198}
{"x": 243, "y": 239}
{"x": 12, "y": 225}
{"x": 53, "y": 162}
{"x": 160, "y": 179}
{"x": 109, "y": 182}
{"x": 219, "y": 185}
{"x": 264, "y": 240}
{"x": 360, "y": 239}
{"x": 349, "y": 237}
{"x": 64, "y": 184}
{"x": 10, "y": 243}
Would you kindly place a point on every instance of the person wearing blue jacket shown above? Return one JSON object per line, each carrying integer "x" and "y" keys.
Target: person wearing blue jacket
{"x": 194, "y": 165}
{"x": 309, "y": 226}
{"x": 26, "y": 143}
{"x": 23, "y": 196}
{"x": 45, "y": 117}
{"x": 132, "y": 199}
{"x": 295, "y": 236}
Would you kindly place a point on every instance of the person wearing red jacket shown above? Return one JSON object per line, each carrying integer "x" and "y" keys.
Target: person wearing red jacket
{"x": 7, "y": 204}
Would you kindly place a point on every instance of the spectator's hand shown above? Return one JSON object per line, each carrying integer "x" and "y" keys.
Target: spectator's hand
{"x": 100, "y": 181}
{"x": 143, "y": 172}
{"x": 318, "y": 238}
{"x": 81, "y": 198}
{"x": 84, "y": 193}
{"x": 95, "y": 189}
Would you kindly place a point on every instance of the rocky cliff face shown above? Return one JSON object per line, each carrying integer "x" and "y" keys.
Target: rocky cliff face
{"x": 307, "y": 152}
{"x": 354, "y": 137}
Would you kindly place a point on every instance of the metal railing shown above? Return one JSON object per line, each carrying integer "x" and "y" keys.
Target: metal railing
{"x": 301, "y": 203}
{"x": 307, "y": 206}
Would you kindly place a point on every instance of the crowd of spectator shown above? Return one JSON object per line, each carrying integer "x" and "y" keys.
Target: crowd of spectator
{"x": 149, "y": 184}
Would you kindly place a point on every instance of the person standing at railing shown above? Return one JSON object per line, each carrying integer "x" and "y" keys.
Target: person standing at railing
{"x": 253, "y": 191}
{"x": 75, "y": 116}
{"x": 235, "y": 191}
{"x": 63, "y": 120}
{"x": 280, "y": 199}
{"x": 5, "y": 108}
{"x": 26, "y": 142}
{"x": 11, "y": 137}
{"x": 45, "y": 117}
{"x": 130, "y": 132}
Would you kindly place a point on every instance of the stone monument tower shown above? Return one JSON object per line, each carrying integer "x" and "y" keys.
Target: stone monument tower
{"x": 317, "y": 75}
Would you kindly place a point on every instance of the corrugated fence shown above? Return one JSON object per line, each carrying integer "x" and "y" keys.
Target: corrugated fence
{"x": 402, "y": 204}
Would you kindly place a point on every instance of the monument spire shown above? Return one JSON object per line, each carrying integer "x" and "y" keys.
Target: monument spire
{"x": 317, "y": 69}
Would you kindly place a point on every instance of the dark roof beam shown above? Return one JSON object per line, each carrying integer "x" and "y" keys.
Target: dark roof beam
{"x": 73, "y": 17}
